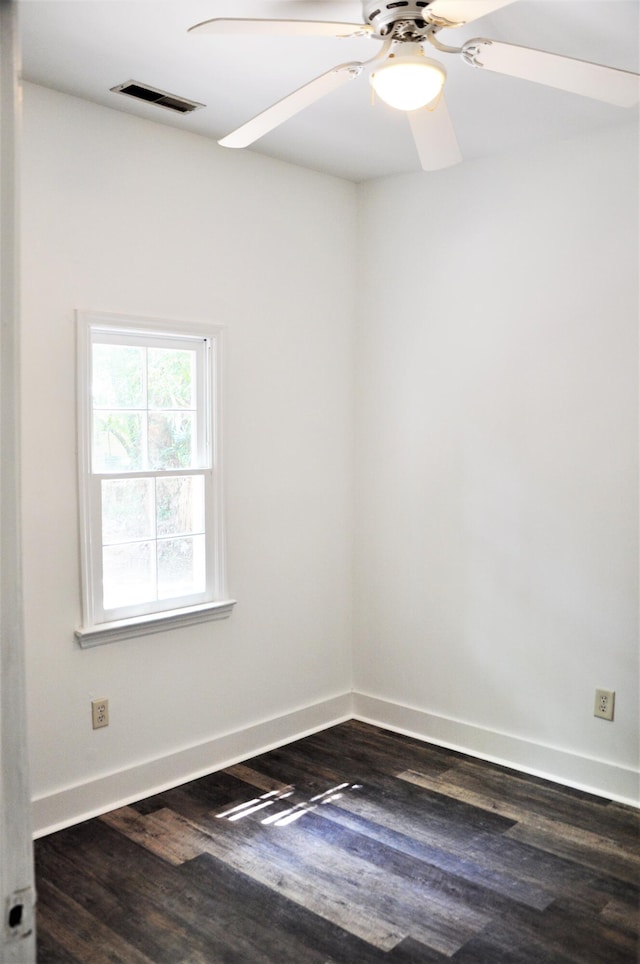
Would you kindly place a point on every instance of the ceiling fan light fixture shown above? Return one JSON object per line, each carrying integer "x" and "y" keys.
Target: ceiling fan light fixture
{"x": 410, "y": 80}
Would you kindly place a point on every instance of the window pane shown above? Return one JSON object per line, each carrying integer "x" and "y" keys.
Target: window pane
{"x": 149, "y": 435}
{"x": 180, "y": 505}
{"x": 127, "y": 510}
{"x": 128, "y": 574}
{"x": 171, "y": 441}
{"x": 171, "y": 378}
{"x": 181, "y": 567}
{"x": 117, "y": 442}
{"x": 118, "y": 376}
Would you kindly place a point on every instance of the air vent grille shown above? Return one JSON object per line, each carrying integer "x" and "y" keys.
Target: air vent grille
{"x": 161, "y": 98}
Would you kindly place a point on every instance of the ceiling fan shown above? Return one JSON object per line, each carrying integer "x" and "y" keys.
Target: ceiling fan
{"x": 406, "y": 79}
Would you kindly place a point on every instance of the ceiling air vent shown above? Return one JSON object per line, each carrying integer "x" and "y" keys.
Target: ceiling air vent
{"x": 159, "y": 97}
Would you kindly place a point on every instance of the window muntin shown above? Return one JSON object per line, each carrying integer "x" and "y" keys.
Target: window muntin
{"x": 150, "y": 478}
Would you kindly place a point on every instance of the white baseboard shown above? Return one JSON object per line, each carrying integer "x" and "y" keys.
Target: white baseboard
{"x": 72, "y": 804}
{"x": 599, "y": 777}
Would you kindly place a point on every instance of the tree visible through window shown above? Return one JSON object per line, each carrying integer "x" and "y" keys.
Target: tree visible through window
{"x": 149, "y": 467}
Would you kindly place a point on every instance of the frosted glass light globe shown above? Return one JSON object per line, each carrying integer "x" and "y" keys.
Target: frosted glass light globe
{"x": 408, "y": 81}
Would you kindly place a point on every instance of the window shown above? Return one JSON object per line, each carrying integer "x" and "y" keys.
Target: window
{"x": 150, "y": 480}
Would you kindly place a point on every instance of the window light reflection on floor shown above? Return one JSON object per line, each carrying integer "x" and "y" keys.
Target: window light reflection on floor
{"x": 282, "y": 818}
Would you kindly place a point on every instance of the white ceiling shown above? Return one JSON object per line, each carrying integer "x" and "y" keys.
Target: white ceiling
{"x": 85, "y": 47}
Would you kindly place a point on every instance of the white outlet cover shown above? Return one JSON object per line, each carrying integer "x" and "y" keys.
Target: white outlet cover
{"x": 604, "y": 704}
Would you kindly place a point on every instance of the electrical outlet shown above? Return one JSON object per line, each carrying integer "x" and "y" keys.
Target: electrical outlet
{"x": 99, "y": 713}
{"x": 604, "y": 704}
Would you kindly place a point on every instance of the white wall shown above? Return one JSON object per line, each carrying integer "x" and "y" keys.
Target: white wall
{"x": 495, "y": 355}
{"x": 497, "y": 529}
{"x": 125, "y": 215}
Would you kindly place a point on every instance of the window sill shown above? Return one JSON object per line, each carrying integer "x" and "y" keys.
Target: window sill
{"x": 154, "y": 623}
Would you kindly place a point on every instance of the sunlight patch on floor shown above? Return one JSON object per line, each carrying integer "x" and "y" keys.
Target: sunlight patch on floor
{"x": 282, "y": 818}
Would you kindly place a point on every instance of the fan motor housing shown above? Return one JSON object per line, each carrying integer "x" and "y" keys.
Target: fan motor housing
{"x": 383, "y": 16}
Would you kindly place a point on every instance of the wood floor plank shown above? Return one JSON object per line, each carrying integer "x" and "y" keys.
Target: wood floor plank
{"x": 498, "y": 859}
{"x": 374, "y": 747}
{"x": 281, "y": 921}
{"x": 296, "y": 879}
{"x": 354, "y": 845}
{"x": 486, "y": 949}
{"x": 49, "y": 950}
{"x": 299, "y": 879}
{"x": 559, "y": 933}
{"x": 482, "y": 887}
{"x": 441, "y": 921}
{"x": 621, "y": 857}
{"x": 256, "y": 779}
{"x": 437, "y": 908}
{"x": 446, "y": 815}
{"x": 451, "y": 881}
{"x": 180, "y": 922}
{"x": 152, "y": 833}
{"x": 622, "y": 914}
{"x": 411, "y": 951}
{"x": 579, "y": 846}
{"x": 78, "y": 933}
{"x": 426, "y": 834}
{"x": 490, "y": 874}
{"x": 108, "y": 876}
{"x": 528, "y": 793}
{"x": 510, "y": 886}
{"x": 549, "y": 871}
{"x": 218, "y": 787}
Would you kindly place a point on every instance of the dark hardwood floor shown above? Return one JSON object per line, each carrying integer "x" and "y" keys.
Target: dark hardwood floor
{"x": 354, "y": 845}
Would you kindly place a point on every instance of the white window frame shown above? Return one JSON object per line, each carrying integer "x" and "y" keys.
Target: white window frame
{"x": 100, "y": 625}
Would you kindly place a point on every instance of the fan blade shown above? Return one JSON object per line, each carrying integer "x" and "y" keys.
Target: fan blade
{"x": 435, "y": 137}
{"x": 290, "y": 105}
{"x": 453, "y": 13}
{"x": 620, "y": 87}
{"x": 282, "y": 28}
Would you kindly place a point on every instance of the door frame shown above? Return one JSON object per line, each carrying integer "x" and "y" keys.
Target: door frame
{"x": 17, "y": 894}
